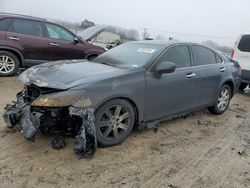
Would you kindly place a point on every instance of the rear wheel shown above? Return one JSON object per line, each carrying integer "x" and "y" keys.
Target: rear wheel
{"x": 9, "y": 64}
{"x": 114, "y": 122}
{"x": 242, "y": 86}
{"x": 222, "y": 101}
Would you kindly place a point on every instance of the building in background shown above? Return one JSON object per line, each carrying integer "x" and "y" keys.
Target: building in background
{"x": 106, "y": 37}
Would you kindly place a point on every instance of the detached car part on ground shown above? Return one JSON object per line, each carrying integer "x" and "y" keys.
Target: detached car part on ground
{"x": 137, "y": 84}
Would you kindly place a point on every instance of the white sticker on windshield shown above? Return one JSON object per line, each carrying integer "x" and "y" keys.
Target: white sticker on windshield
{"x": 135, "y": 66}
{"x": 146, "y": 50}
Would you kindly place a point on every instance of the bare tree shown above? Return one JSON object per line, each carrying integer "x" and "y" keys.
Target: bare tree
{"x": 160, "y": 37}
{"x": 145, "y": 35}
{"x": 125, "y": 34}
{"x": 210, "y": 43}
{"x": 86, "y": 24}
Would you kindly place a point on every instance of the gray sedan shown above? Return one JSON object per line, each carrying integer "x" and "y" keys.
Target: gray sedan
{"x": 137, "y": 84}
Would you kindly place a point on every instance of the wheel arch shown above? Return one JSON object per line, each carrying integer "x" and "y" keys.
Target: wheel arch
{"x": 16, "y": 52}
{"x": 134, "y": 105}
{"x": 230, "y": 83}
{"x": 92, "y": 55}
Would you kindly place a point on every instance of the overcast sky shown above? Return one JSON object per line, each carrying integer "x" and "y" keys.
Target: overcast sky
{"x": 219, "y": 20}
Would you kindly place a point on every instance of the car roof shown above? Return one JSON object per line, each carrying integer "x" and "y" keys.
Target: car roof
{"x": 156, "y": 42}
{"x": 245, "y": 33}
{"x": 12, "y": 15}
{"x": 165, "y": 43}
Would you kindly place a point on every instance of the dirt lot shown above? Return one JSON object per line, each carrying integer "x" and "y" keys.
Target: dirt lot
{"x": 201, "y": 150}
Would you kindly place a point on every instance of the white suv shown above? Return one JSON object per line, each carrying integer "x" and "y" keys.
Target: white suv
{"x": 241, "y": 54}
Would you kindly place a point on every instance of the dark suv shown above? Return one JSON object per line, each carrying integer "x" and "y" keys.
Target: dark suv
{"x": 26, "y": 41}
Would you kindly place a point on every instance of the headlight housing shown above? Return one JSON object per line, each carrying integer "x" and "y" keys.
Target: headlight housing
{"x": 58, "y": 99}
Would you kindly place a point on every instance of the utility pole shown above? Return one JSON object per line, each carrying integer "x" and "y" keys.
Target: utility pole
{"x": 144, "y": 35}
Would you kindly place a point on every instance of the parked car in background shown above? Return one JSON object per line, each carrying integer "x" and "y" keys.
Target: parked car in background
{"x": 241, "y": 54}
{"x": 134, "y": 84}
{"x": 26, "y": 41}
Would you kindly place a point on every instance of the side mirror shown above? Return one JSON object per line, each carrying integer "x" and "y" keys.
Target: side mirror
{"x": 165, "y": 67}
{"x": 76, "y": 40}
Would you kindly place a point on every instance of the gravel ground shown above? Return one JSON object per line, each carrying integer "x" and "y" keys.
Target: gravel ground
{"x": 201, "y": 150}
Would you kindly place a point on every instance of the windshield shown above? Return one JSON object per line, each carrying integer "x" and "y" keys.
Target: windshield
{"x": 130, "y": 55}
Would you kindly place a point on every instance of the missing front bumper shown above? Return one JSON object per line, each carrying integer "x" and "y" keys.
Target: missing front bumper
{"x": 23, "y": 118}
{"x": 22, "y": 115}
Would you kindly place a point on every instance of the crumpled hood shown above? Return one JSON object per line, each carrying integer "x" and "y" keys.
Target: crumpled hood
{"x": 68, "y": 74}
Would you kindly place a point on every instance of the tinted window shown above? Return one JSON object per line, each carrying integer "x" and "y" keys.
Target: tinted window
{"x": 244, "y": 44}
{"x": 56, "y": 32}
{"x": 26, "y": 27}
{"x": 203, "y": 56}
{"x": 4, "y": 24}
{"x": 178, "y": 55}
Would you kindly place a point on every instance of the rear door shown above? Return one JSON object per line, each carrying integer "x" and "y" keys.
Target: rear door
{"x": 4, "y": 24}
{"x": 28, "y": 37}
{"x": 172, "y": 92}
{"x": 209, "y": 73}
{"x": 62, "y": 44}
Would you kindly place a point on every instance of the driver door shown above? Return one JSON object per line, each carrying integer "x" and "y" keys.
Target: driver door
{"x": 170, "y": 93}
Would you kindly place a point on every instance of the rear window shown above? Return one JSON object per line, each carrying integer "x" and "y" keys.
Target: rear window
{"x": 244, "y": 44}
{"x": 4, "y": 24}
{"x": 203, "y": 56}
{"x": 218, "y": 59}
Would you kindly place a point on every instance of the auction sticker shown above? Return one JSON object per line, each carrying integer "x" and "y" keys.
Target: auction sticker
{"x": 146, "y": 50}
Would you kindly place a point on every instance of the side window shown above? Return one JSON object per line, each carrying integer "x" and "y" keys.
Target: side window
{"x": 56, "y": 32}
{"x": 218, "y": 59}
{"x": 203, "y": 56}
{"x": 179, "y": 55}
{"x": 4, "y": 24}
{"x": 26, "y": 27}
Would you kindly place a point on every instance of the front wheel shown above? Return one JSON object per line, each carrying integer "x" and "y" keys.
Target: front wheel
{"x": 222, "y": 101}
{"x": 114, "y": 121}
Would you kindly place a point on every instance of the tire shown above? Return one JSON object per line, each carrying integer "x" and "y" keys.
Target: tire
{"x": 114, "y": 122}
{"x": 222, "y": 101}
{"x": 243, "y": 86}
{"x": 9, "y": 63}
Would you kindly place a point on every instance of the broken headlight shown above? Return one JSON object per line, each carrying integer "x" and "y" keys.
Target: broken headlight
{"x": 58, "y": 99}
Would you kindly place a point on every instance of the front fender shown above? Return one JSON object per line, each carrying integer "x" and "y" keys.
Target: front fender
{"x": 95, "y": 100}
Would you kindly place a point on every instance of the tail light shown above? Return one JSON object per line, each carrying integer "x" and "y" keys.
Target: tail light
{"x": 232, "y": 54}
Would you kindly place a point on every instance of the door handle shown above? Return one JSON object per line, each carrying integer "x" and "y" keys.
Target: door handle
{"x": 14, "y": 38}
{"x": 53, "y": 44}
{"x": 222, "y": 69}
{"x": 190, "y": 75}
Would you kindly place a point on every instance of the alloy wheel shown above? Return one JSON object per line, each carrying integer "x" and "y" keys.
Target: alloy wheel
{"x": 114, "y": 122}
{"x": 223, "y": 99}
{"x": 7, "y": 64}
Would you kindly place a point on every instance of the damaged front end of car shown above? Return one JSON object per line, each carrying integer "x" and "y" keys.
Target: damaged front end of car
{"x": 51, "y": 111}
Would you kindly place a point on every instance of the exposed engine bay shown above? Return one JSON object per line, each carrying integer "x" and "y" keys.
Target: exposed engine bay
{"x": 30, "y": 117}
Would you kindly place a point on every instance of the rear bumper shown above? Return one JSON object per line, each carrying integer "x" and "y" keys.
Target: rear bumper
{"x": 245, "y": 76}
